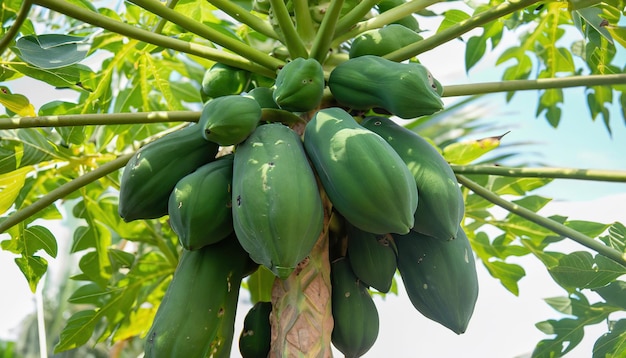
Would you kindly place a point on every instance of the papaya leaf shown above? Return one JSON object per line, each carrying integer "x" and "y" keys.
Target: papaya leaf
{"x": 452, "y": 17}
{"x": 589, "y": 228}
{"x": 51, "y": 51}
{"x": 517, "y": 186}
{"x": 33, "y": 268}
{"x": 618, "y": 34}
{"x": 614, "y": 293}
{"x": 25, "y": 147}
{"x": 507, "y": 273}
{"x": 78, "y": 329}
{"x": 89, "y": 294}
{"x": 10, "y": 185}
{"x": 581, "y": 270}
{"x": 64, "y": 77}
{"x": 612, "y": 343}
{"x": 616, "y": 237}
{"x": 592, "y": 16}
{"x": 465, "y": 152}
{"x": 474, "y": 51}
{"x": 16, "y": 103}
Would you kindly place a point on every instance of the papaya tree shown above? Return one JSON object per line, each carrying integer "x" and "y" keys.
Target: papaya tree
{"x": 299, "y": 150}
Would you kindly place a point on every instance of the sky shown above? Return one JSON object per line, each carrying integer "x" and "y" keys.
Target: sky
{"x": 502, "y": 325}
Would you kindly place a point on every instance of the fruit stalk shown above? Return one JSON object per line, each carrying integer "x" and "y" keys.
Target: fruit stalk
{"x": 301, "y": 317}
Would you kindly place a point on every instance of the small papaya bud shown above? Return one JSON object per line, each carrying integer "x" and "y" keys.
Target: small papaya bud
{"x": 299, "y": 85}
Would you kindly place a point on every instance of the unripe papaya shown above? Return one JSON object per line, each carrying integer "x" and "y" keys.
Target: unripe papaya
{"x": 406, "y": 90}
{"x": 277, "y": 209}
{"x": 151, "y": 174}
{"x": 383, "y": 40}
{"x": 299, "y": 85}
{"x": 223, "y": 80}
{"x": 441, "y": 207}
{"x": 355, "y": 316}
{"x": 263, "y": 96}
{"x": 372, "y": 258}
{"x": 440, "y": 277}
{"x": 230, "y": 119}
{"x": 200, "y": 205}
{"x": 197, "y": 314}
{"x": 365, "y": 179}
{"x": 255, "y": 338}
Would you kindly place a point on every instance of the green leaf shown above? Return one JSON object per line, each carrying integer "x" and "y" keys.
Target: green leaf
{"x": 581, "y": 270}
{"x": 260, "y": 285}
{"x": 64, "y": 77}
{"x": 474, "y": 51}
{"x": 51, "y": 51}
{"x": 612, "y": 343}
{"x": 589, "y": 228}
{"x": 121, "y": 259}
{"x": 617, "y": 237}
{"x": 89, "y": 294}
{"x": 618, "y": 34}
{"x": 451, "y": 18}
{"x": 592, "y": 16}
{"x": 39, "y": 238}
{"x": 508, "y": 274}
{"x": 465, "y": 152}
{"x": 16, "y": 103}
{"x": 77, "y": 331}
{"x": 614, "y": 293}
{"x": 10, "y": 185}
{"x": 33, "y": 268}
{"x": 25, "y": 147}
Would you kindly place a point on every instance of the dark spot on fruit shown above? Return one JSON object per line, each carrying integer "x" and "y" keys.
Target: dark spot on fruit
{"x": 238, "y": 200}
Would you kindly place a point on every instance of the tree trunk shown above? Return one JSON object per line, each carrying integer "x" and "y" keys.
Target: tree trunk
{"x": 301, "y": 318}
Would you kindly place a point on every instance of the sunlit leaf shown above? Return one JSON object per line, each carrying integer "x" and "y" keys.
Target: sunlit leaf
{"x": 465, "y": 152}
{"x": 508, "y": 274}
{"x": 33, "y": 268}
{"x": 10, "y": 185}
{"x": 451, "y": 18}
{"x": 16, "y": 103}
{"x": 260, "y": 285}
{"x": 37, "y": 238}
{"x": 474, "y": 51}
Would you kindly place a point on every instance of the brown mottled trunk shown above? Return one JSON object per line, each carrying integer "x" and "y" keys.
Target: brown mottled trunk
{"x": 301, "y": 317}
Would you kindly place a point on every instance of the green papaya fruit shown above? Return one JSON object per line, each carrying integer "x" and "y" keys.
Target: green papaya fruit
{"x": 197, "y": 314}
{"x": 383, "y": 40}
{"x": 372, "y": 258}
{"x": 151, "y": 174}
{"x": 263, "y": 96}
{"x": 230, "y": 119}
{"x": 441, "y": 207}
{"x": 255, "y": 338}
{"x": 408, "y": 21}
{"x": 356, "y": 321}
{"x": 440, "y": 277}
{"x": 299, "y": 85}
{"x": 277, "y": 209}
{"x": 365, "y": 179}
{"x": 200, "y": 204}
{"x": 223, "y": 80}
{"x": 406, "y": 90}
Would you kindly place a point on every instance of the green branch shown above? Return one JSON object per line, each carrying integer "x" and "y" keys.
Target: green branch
{"x": 208, "y": 33}
{"x": 543, "y": 221}
{"x": 354, "y": 16}
{"x": 542, "y": 83}
{"x": 245, "y": 17}
{"x": 70, "y": 120}
{"x": 383, "y": 19}
{"x": 294, "y": 43}
{"x": 325, "y": 34}
{"x": 459, "y": 29}
{"x": 63, "y": 191}
{"x": 161, "y": 24}
{"x": 304, "y": 22}
{"x": 95, "y": 19}
{"x": 618, "y": 176}
{"x": 15, "y": 27}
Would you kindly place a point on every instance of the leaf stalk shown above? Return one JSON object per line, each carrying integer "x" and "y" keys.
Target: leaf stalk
{"x": 618, "y": 176}
{"x": 15, "y": 27}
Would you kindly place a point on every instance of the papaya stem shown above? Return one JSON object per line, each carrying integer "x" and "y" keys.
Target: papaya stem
{"x": 560, "y": 173}
{"x": 547, "y": 223}
{"x": 161, "y": 24}
{"x": 245, "y": 17}
{"x": 383, "y": 19}
{"x": 304, "y": 22}
{"x": 325, "y": 34}
{"x": 107, "y": 23}
{"x": 457, "y": 30}
{"x": 70, "y": 120}
{"x": 294, "y": 43}
{"x": 21, "y": 16}
{"x": 541, "y": 83}
{"x": 208, "y": 33}
{"x": 354, "y": 16}
{"x": 64, "y": 190}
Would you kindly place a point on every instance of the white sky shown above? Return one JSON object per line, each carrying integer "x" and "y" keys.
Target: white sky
{"x": 502, "y": 325}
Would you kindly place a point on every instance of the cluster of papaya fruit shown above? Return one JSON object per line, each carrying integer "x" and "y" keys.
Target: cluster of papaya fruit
{"x": 242, "y": 189}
